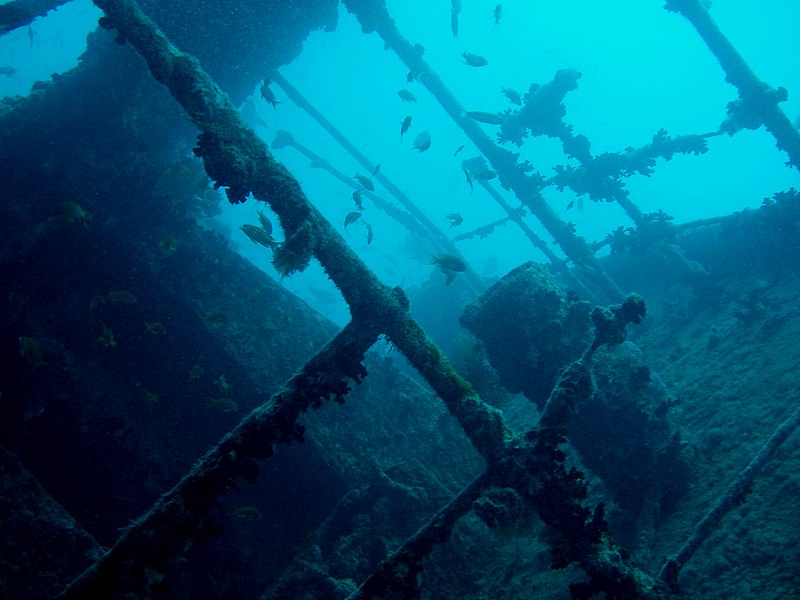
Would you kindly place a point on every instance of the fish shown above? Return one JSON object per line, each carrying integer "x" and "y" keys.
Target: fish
{"x": 351, "y": 218}
{"x": 485, "y": 117}
{"x": 169, "y": 244}
{"x": 269, "y": 96}
{"x": 404, "y": 127}
{"x": 411, "y": 76}
{"x": 7, "y": 70}
{"x": 258, "y": 235}
{"x": 150, "y": 396}
{"x": 266, "y": 224}
{"x": 223, "y": 404}
{"x": 469, "y": 180}
{"x": 365, "y": 181}
{"x": 122, "y": 297}
{"x": 459, "y": 149}
{"x": 423, "y": 141}
{"x": 407, "y": 96}
{"x": 513, "y": 95}
{"x": 32, "y": 351}
{"x": 195, "y": 373}
{"x": 455, "y": 10}
{"x": 72, "y": 212}
{"x": 570, "y": 205}
{"x": 156, "y": 328}
{"x": 222, "y": 383}
{"x": 370, "y": 235}
{"x": 357, "y": 199}
{"x": 484, "y": 175}
{"x": 96, "y": 301}
{"x": 449, "y": 262}
{"x": 216, "y": 319}
{"x": 455, "y": 219}
{"x": 246, "y": 513}
{"x": 106, "y": 338}
{"x": 474, "y": 60}
{"x": 376, "y": 169}
{"x": 449, "y": 265}
{"x": 498, "y": 12}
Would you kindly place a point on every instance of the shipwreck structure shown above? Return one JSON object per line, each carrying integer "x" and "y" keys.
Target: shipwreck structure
{"x": 129, "y": 326}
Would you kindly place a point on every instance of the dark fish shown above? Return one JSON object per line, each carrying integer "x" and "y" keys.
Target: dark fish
{"x": 411, "y": 76}
{"x": 455, "y": 219}
{"x": 407, "y": 96}
{"x": 423, "y": 141}
{"x": 513, "y": 96}
{"x": 498, "y": 12}
{"x": 485, "y": 117}
{"x": 156, "y": 328}
{"x": 258, "y": 235}
{"x": 449, "y": 265}
{"x": 269, "y": 96}
{"x": 266, "y": 224}
{"x": 365, "y": 181}
{"x": 31, "y": 350}
{"x": 484, "y": 175}
{"x": 459, "y": 149}
{"x": 455, "y": 10}
{"x": 474, "y": 60}
{"x": 469, "y": 181}
{"x": 571, "y": 204}
{"x": 375, "y": 170}
{"x": 7, "y": 70}
{"x": 351, "y": 218}
{"x": 357, "y": 199}
{"x": 404, "y": 127}
{"x": 121, "y": 297}
{"x": 370, "y": 235}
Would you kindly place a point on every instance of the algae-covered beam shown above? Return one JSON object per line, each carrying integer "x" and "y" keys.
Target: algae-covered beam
{"x": 374, "y": 17}
{"x": 20, "y": 13}
{"x": 734, "y": 496}
{"x": 237, "y": 159}
{"x": 397, "y": 575}
{"x": 184, "y": 514}
{"x": 532, "y": 470}
{"x": 758, "y": 103}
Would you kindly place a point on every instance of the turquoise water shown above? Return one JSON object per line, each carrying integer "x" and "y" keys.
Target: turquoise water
{"x": 643, "y": 69}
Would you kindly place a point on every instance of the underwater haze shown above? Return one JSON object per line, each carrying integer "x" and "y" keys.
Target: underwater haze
{"x": 571, "y": 249}
{"x": 642, "y": 70}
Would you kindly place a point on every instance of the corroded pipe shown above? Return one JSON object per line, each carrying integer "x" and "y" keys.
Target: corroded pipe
{"x": 758, "y": 99}
{"x": 20, "y": 13}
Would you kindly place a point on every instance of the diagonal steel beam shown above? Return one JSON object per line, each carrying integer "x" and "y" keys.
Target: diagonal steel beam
{"x": 757, "y": 99}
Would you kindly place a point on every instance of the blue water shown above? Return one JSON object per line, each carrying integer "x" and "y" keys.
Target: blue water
{"x": 642, "y": 68}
